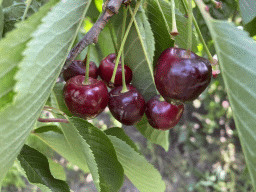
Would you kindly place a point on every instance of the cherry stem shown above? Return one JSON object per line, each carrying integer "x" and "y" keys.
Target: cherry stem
{"x": 124, "y": 88}
{"x": 161, "y": 98}
{"x": 190, "y": 15}
{"x": 174, "y": 31}
{"x": 199, "y": 34}
{"x": 26, "y": 10}
{"x": 87, "y": 69}
{"x": 50, "y": 109}
{"x": 217, "y": 4}
{"x": 121, "y": 48}
{"x": 52, "y": 120}
{"x": 124, "y": 39}
{"x": 113, "y": 36}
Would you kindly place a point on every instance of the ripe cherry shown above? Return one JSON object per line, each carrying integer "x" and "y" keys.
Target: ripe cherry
{"x": 85, "y": 100}
{"x": 128, "y": 108}
{"x": 180, "y": 79}
{"x": 77, "y": 67}
{"x": 106, "y": 69}
{"x": 162, "y": 115}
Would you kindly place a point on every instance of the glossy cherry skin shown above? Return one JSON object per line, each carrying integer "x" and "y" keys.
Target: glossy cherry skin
{"x": 106, "y": 69}
{"x": 128, "y": 108}
{"x": 85, "y": 101}
{"x": 77, "y": 67}
{"x": 181, "y": 79}
{"x": 178, "y": 52}
{"x": 162, "y": 115}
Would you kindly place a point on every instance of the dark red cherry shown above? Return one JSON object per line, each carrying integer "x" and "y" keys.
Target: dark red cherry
{"x": 85, "y": 101}
{"x": 180, "y": 79}
{"x": 128, "y": 108}
{"x": 106, "y": 69}
{"x": 77, "y": 67}
{"x": 163, "y": 115}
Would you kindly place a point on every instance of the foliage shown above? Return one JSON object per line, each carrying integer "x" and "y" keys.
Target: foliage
{"x": 33, "y": 52}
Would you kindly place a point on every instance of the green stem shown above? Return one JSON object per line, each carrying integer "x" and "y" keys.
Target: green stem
{"x": 124, "y": 39}
{"x": 161, "y": 98}
{"x": 87, "y": 69}
{"x": 113, "y": 36}
{"x": 124, "y": 88}
{"x": 199, "y": 34}
{"x": 174, "y": 31}
{"x": 190, "y": 15}
{"x": 26, "y": 10}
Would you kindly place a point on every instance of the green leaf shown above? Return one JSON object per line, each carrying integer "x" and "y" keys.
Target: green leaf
{"x": 14, "y": 43}
{"x": 157, "y": 16}
{"x": 120, "y": 134}
{"x": 59, "y": 144}
{"x": 138, "y": 52}
{"x": 57, "y": 170}
{"x": 141, "y": 173}
{"x": 237, "y": 58}
{"x": 43, "y": 59}
{"x": 1, "y": 22}
{"x": 154, "y": 135}
{"x": 251, "y": 27}
{"x": 15, "y": 11}
{"x": 107, "y": 172}
{"x": 48, "y": 128}
{"x": 37, "y": 169}
{"x": 248, "y": 10}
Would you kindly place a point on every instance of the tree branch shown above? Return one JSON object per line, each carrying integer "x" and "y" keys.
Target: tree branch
{"x": 92, "y": 35}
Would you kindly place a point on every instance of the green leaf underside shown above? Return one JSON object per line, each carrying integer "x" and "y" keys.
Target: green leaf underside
{"x": 101, "y": 156}
{"x": 120, "y": 134}
{"x": 37, "y": 170}
{"x": 138, "y": 52}
{"x": 162, "y": 35}
{"x": 59, "y": 144}
{"x": 43, "y": 58}
{"x": 155, "y": 136}
{"x": 141, "y": 173}
{"x": 14, "y": 43}
{"x": 248, "y": 10}
{"x": 237, "y": 57}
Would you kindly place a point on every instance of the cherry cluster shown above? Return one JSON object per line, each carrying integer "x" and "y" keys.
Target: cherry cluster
{"x": 179, "y": 78}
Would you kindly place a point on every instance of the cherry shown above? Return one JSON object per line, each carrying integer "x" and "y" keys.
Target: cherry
{"x": 128, "y": 107}
{"x": 106, "y": 69}
{"x": 85, "y": 100}
{"x": 162, "y": 115}
{"x": 178, "y": 52}
{"x": 180, "y": 79}
{"x": 77, "y": 67}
